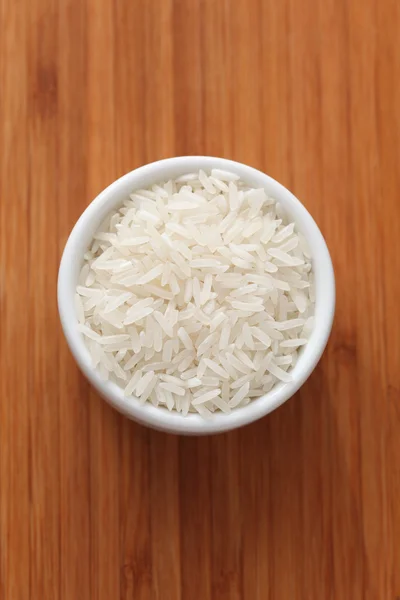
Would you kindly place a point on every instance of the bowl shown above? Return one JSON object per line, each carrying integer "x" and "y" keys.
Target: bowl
{"x": 158, "y": 417}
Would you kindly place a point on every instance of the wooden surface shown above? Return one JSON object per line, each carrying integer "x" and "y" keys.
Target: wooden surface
{"x": 302, "y": 505}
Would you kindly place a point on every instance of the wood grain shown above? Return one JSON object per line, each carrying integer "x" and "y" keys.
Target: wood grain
{"x": 302, "y": 505}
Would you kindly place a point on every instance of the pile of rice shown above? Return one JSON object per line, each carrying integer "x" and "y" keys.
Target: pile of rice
{"x": 197, "y": 294}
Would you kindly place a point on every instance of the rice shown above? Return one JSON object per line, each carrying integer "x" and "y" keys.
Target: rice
{"x": 196, "y": 294}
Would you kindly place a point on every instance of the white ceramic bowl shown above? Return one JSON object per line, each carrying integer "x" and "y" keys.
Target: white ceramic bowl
{"x": 161, "y": 418}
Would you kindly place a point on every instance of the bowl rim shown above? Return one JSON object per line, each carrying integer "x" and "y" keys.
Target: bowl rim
{"x": 160, "y": 418}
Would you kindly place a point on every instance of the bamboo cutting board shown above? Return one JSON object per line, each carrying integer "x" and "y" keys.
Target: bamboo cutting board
{"x": 304, "y": 504}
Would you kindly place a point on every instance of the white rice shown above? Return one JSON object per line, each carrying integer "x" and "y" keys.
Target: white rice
{"x": 196, "y": 294}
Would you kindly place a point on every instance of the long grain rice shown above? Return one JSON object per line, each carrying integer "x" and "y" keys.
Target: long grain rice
{"x": 196, "y": 294}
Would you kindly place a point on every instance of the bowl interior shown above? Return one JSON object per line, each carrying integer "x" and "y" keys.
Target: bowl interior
{"x": 111, "y": 198}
